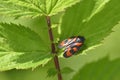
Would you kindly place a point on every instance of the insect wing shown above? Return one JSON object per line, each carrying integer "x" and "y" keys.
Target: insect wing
{"x": 68, "y": 53}
{"x": 72, "y": 49}
{"x": 66, "y": 42}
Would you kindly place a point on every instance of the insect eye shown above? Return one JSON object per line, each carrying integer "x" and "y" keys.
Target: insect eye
{"x": 78, "y": 40}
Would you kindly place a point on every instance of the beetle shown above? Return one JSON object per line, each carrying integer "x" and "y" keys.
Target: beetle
{"x": 71, "y": 45}
{"x": 71, "y": 40}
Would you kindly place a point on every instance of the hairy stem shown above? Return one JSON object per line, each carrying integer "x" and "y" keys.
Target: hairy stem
{"x": 56, "y": 62}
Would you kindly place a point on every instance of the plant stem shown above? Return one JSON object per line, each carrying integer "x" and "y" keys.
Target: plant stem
{"x": 56, "y": 62}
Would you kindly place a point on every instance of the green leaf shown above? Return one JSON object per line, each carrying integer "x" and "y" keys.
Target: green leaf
{"x": 67, "y": 70}
{"x": 34, "y": 7}
{"x": 90, "y": 19}
{"x": 21, "y": 48}
{"x": 109, "y": 48}
{"x": 99, "y": 5}
{"x": 51, "y": 72}
{"x": 39, "y": 73}
{"x": 101, "y": 70}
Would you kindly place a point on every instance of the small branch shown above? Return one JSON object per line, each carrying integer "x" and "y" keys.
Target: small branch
{"x": 56, "y": 62}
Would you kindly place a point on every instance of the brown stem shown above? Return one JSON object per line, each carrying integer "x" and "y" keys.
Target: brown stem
{"x": 56, "y": 62}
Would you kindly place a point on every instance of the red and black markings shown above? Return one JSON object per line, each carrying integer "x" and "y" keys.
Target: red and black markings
{"x": 71, "y": 45}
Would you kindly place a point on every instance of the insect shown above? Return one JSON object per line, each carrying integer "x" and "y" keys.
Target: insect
{"x": 71, "y": 45}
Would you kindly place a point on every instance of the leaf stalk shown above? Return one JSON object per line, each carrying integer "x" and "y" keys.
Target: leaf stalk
{"x": 56, "y": 61}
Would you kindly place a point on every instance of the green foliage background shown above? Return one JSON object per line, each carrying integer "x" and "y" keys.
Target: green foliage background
{"x": 109, "y": 49}
{"x": 101, "y": 63}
